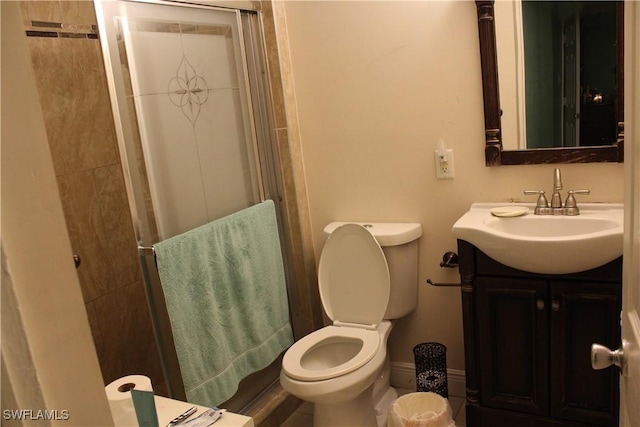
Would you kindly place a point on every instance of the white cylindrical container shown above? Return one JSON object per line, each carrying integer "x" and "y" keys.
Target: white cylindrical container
{"x": 119, "y": 397}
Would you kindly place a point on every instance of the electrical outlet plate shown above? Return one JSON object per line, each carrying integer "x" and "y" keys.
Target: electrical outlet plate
{"x": 444, "y": 164}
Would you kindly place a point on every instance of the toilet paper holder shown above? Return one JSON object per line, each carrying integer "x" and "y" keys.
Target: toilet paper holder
{"x": 449, "y": 260}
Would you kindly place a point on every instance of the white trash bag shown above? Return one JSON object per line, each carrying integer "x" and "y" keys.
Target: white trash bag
{"x": 420, "y": 410}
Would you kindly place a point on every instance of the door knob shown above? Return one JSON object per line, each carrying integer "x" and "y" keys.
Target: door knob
{"x": 602, "y": 357}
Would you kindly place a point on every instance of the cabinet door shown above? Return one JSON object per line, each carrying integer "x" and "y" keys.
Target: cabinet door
{"x": 583, "y": 314}
{"x": 513, "y": 324}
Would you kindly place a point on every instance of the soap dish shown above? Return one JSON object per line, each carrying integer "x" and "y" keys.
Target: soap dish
{"x": 509, "y": 211}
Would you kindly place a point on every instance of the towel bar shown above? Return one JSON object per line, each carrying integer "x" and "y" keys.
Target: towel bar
{"x": 432, "y": 283}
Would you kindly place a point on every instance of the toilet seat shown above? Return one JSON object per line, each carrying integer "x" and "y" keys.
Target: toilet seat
{"x": 354, "y": 284}
{"x": 297, "y": 364}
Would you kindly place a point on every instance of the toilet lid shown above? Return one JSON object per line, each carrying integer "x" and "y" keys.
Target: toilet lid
{"x": 353, "y": 276}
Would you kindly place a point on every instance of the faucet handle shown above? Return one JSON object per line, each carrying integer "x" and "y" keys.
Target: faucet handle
{"x": 571, "y": 206}
{"x": 541, "y": 204}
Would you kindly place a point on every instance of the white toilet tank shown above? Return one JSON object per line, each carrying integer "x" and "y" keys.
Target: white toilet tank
{"x": 399, "y": 242}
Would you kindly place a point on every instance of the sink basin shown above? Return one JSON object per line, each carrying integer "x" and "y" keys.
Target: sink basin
{"x": 546, "y": 244}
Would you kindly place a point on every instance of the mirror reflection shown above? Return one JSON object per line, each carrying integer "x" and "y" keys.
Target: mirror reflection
{"x": 558, "y": 73}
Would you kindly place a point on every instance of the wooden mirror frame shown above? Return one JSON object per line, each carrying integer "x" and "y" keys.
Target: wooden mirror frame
{"x": 495, "y": 155}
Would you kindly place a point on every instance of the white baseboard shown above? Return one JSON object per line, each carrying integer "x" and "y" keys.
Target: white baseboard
{"x": 403, "y": 376}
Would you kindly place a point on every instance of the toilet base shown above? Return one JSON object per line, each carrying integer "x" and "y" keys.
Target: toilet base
{"x": 356, "y": 412}
{"x": 361, "y": 411}
{"x": 383, "y": 393}
{"x": 382, "y": 406}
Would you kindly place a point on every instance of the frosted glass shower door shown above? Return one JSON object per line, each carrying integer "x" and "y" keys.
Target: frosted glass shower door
{"x": 188, "y": 85}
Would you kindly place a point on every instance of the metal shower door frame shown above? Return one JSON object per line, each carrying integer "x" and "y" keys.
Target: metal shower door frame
{"x": 262, "y": 133}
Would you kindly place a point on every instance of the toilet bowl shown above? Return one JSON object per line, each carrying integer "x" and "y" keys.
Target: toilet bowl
{"x": 344, "y": 386}
{"x": 346, "y": 399}
{"x": 337, "y": 366}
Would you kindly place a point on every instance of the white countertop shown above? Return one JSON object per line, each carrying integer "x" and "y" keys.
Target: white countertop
{"x": 168, "y": 409}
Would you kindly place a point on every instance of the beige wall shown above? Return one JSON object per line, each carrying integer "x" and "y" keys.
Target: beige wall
{"x": 377, "y": 84}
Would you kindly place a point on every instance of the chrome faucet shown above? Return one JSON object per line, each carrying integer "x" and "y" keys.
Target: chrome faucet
{"x": 556, "y": 199}
{"x": 570, "y": 206}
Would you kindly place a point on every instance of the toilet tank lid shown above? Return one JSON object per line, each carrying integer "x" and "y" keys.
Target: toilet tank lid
{"x": 386, "y": 233}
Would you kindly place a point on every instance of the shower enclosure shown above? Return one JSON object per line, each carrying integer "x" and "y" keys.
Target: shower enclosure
{"x": 192, "y": 111}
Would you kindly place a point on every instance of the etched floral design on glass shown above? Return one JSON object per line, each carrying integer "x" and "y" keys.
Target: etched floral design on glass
{"x": 188, "y": 90}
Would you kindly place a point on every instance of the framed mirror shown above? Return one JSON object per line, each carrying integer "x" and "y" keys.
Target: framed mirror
{"x": 573, "y": 108}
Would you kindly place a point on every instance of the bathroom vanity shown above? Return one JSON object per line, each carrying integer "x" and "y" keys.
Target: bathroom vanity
{"x": 528, "y": 343}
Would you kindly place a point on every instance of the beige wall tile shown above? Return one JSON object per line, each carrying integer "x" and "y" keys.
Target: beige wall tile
{"x": 78, "y": 12}
{"x": 75, "y": 103}
{"x": 116, "y": 218}
{"x": 82, "y": 211}
{"x": 48, "y": 11}
{"x": 93, "y": 321}
{"x": 127, "y": 342}
{"x": 273, "y": 61}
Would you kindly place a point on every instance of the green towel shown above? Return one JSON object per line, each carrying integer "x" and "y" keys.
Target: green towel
{"x": 227, "y": 301}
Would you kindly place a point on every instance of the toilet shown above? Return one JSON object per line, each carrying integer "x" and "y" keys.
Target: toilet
{"x": 367, "y": 276}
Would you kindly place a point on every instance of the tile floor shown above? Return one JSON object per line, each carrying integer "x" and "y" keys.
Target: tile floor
{"x": 303, "y": 417}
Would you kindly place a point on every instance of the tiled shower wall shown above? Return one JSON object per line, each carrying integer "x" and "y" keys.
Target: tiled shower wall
{"x": 71, "y": 80}
{"x": 74, "y": 99}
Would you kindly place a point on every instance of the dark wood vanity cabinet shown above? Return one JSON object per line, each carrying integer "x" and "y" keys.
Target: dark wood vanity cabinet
{"x": 528, "y": 344}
